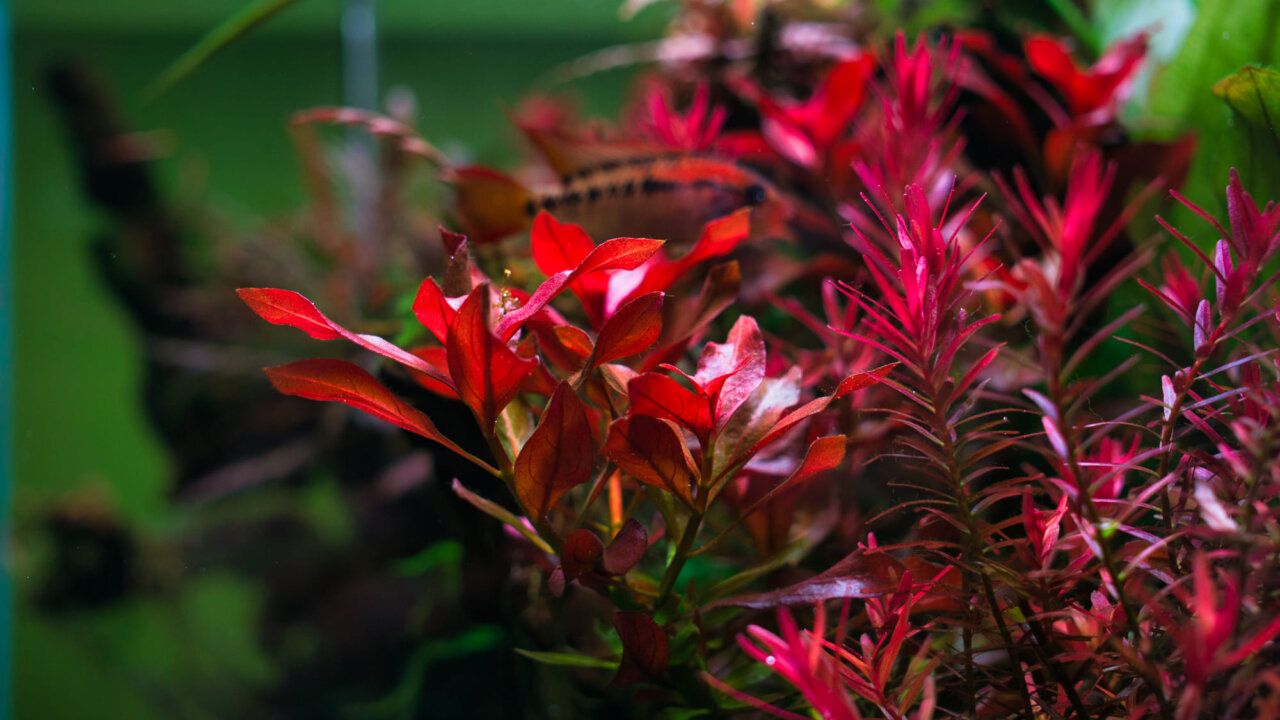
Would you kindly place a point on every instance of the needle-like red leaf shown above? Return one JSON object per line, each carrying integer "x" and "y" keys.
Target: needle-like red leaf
{"x": 558, "y": 455}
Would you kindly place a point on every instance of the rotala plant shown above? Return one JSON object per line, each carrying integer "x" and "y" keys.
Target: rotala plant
{"x": 911, "y": 426}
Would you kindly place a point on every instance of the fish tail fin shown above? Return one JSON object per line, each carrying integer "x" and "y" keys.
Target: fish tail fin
{"x": 490, "y": 205}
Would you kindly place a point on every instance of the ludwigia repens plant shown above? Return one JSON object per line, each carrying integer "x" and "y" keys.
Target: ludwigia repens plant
{"x": 1039, "y": 544}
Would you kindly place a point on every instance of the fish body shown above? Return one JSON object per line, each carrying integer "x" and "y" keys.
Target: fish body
{"x": 619, "y": 191}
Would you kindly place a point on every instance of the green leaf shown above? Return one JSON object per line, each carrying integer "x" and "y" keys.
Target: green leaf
{"x": 1254, "y": 93}
{"x": 236, "y": 27}
{"x": 569, "y": 659}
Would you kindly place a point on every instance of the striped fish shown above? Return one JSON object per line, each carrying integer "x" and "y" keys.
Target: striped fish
{"x": 619, "y": 191}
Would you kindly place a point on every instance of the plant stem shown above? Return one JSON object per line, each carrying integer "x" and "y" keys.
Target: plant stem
{"x": 677, "y": 561}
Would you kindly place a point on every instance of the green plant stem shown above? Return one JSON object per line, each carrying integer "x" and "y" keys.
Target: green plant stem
{"x": 678, "y": 560}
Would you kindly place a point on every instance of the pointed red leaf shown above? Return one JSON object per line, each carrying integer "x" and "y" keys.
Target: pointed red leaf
{"x": 344, "y": 382}
{"x": 616, "y": 254}
{"x": 485, "y": 371}
{"x": 645, "y": 650}
{"x": 433, "y": 309}
{"x": 558, "y": 455}
{"x": 860, "y": 380}
{"x": 634, "y": 328}
{"x": 285, "y": 307}
{"x": 683, "y": 320}
{"x": 438, "y": 358}
{"x": 660, "y": 396}
{"x": 627, "y": 548}
{"x": 558, "y": 246}
{"x": 580, "y": 554}
{"x": 653, "y": 452}
{"x": 719, "y": 237}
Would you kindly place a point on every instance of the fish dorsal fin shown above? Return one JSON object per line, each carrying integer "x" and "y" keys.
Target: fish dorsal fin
{"x": 570, "y": 156}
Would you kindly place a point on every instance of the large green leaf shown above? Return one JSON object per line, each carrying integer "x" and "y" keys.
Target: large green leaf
{"x": 1254, "y": 93}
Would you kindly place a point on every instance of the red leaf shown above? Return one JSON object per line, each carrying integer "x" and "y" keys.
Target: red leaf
{"x": 565, "y": 345}
{"x": 788, "y": 140}
{"x": 645, "y": 651}
{"x": 653, "y": 452}
{"x": 341, "y": 381}
{"x": 634, "y": 328}
{"x": 616, "y": 254}
{"x": 452, "y": 241}
{"x": 486, "y": 372}
{"x": 558, "y": 455}
{"x": 860, "y": 380}
{"x": 438, "y": 358}
{"x": 683, "y": 320}
{"x": 862, "y": 574}
{"x": 433, "y": 309}
{"x": 719, "y": 237}
{"x": 285, "y": 307}
{"x": 740, "y": 362}
{"x": 580, "y": 554}
{"x": 660, "y": 396}
{"x": 558, "y": 246}
{"x": 627, "y": 548}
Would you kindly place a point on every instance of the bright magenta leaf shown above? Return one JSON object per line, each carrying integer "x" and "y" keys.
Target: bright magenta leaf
{"x": 558, "y": 455}
{"x": 486, "y": 372}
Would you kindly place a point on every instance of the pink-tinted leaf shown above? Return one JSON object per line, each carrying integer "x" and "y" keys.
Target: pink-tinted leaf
{"x": 285, "y": 307}
{"x": 558, "y": 455}
{"x": 634, "y": 328}
{"x": 652, "y": 451}
{"x": 861, "y": 574}
{"x": 740, "y": 361}
{"x": 487, "y": 373}
{"x": 789, "y": 141}
{"x": 645, "y": 650}
{"x": 660, "y": 396}
{"x": 341, "y": 381}
{"x": 580, "y": 554}
{"x": 627, "y": 548}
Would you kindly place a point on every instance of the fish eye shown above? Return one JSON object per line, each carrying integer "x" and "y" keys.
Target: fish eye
{"x": 754, "y": 195}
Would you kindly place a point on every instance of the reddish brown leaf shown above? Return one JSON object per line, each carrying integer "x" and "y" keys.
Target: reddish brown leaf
{"x": 682, "y": 320}
{"x": 719, "y": 237}
{"x": 341, "y": 381}
{"x": 627, "y": 548}
{"x": 645, "y": 651}
{"x": 631, "y": 330}
{"x": 580, "y": 554}
{"x": 486, "y": 372}
{"x": 558, "y": 455}
{"x": 660, "y": 396}
{"x": 285, "y": 307}
{"x": 861, "y": 574}
{"x": 652, "y": 451}
{"x": 452, "y": 241}
{"x": 564, "y": 345}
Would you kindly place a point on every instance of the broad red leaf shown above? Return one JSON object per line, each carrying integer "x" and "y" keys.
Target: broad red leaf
{"x": 739, "y": 363}
{"x": 626, "y": 549}
{"x": 580, "y": 554}
{"x": 660, "y": 396}
{"x": 285, "y": 307}
{"x": 719, "y": 237}
{"x": 557, "y": 246}
{"x": 485, "y": 371}
{"x": 341, "y": 381}
{"x": 558, "y": 455}
{"x": 564, "y": 345}
{"x": 861, "y": 574}
{"x": 757, "y": 416}
{"x": 631, "y": 330}
{"x": 438, "y": 358}
{"x": 433, "y": 309}
{"x": 653, "y": 452}
{"x": 616, "y": 254}
{"x": 645, "y": 650}
{"x": 683, "y": 320}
